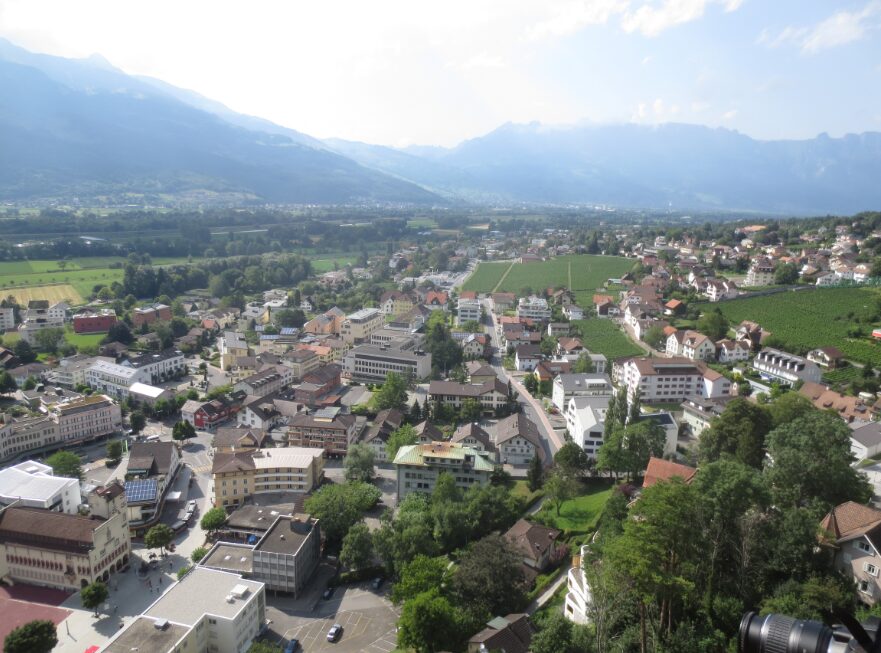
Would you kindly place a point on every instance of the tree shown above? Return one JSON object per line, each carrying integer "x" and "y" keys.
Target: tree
{"x": 635, "y": 409}
{"x": 571, "y": 460}
{"x": 339, "y": 507}
{"x": 183, "y": 430}
{"x": 548, "y": 346}
{"x": 655, "y": 337}
{"x": 584, "y": 364}
{"x": 402, "y": 437}
{"x": 530, "y": 383}
{"x": 65, "y": 464}
{"x": 213, "y": 520}
{"x": 36, "y": 636}
{"x": 137, "y": 421}
{"x": 419, "y": 575}
{"x": 120, "y": 332}
{"x": 29, "y": 383}
{"x": 198, "y": 553}
{"x": 555, "y": 635}
{"x": 786, "y": 274}
{"x": 789, "y": 407}
{"x": 810, "y": 460}
{"x": 357, "y": 550}
{"x": 158, "y": 537}
{"x": 713, "y": 324}
{"x": 739, "y": 431}
{"x": 392, "y": 394}
{"x": 114, "y": 451}
{"x": 535, "y": 474}
{"x": 415, "y": 415}
{"x": 94, "y": 595}
{"x": 23, "y": 352}
{"x": 430, "y": 622}
{"x": 7, "y": 383}
{"x": 359, "y": 463}
{"x": 264, "y": 647}
{"x": 489, "y": 579}
{"x": 471, "y": 410}
{"x": 47, "y": 340}
{"x": 559, "y": 488}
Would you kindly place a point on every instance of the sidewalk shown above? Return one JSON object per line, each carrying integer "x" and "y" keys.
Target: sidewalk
{"x": 549, "y": 591}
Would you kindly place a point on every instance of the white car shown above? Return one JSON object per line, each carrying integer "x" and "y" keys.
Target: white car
{"x": 191, "y": 506}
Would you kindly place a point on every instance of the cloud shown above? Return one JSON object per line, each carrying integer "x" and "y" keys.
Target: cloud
{"x": 571, "y": 16}
{"x": 651, "y": 19}
{"x": 483, "y": 60}
{"x": 840, "y": 28}
{"x": 699, "y": 107}
{"x": 729, "y": 115}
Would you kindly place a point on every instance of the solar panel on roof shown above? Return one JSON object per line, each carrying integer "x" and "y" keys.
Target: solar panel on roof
{"x": 141, "y": 490}
{"x": 288, "y": 331}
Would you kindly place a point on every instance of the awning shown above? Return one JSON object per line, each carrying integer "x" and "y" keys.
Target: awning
{"x": 174, "y": 496}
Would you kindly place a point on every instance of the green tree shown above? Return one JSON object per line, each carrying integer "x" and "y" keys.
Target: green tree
{"x": 535, "y": 474}
{"x": 571, "y": 460}
{"x": 94, "y": 595}
{"x": 114, "y": 451}
{"x": 7, "y": 383}
{"x": 789, "y": 407}
{"x": 264, "y": 647}
{"x": 402, "y": 537}
{"x": 23, "y": 352}
{"x": 548, "y": 346}
{"x": 554, "y": 636}
{"x": 559, "y": 488}
{"x": 392, "y": 394}
{"x": 402, "y": 437}
{"x": 810, "y": 459}
{"x": 137, "y": 421}
{"x": 814, "y": 598}
{"x": 530, "y": 383}
{"x": 786, "y": 274}
{"x": 421, "y": 574}
{"x": 339, "y": 507}
{"x": 359, "y": 463}
{"x": 29, "y": 383}
{"x": 584, "y": 364}
{"x": 213, "y": 520}
{"x": 183, "y": 430}
{"x": 357, "y": 550}
{"x": 713, "y": 324}
{"x": 635, "y": 408}
{"x": 158, "y": 537}
{"x": 489, "y": 579}
{"x": 471, "y": 410}
{"x": 655, "y": 337}
{"x": 430, "y": 622}
{"x": 47, "y": 340}
{"x": 198, "y": 553}
{"x": 36, "y": 636}
{"x": 739, "y": 431}
{"x": 66, "y": 464}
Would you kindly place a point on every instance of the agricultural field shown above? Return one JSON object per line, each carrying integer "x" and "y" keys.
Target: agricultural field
{"x": 582, "y": 274}
{"x": 602, "y": 336}
{"x": 54, "y": 293}
{"x": 320, "y": 265}
{"x": 815, "y": 318}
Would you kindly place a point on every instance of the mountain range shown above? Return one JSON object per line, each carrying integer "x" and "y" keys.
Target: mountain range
{"x": 80, "y": 127}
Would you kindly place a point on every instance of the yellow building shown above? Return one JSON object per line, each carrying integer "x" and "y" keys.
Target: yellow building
{"x": 360, "y": 325}
{"x": 241, "y": 474}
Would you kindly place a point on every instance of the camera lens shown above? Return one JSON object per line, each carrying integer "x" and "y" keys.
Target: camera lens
{"x": 776, "y": 633}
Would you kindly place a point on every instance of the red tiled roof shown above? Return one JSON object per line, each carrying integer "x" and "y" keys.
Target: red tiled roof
{"x": 659, "y": 469}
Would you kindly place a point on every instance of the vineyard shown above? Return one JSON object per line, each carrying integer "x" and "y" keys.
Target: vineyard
{"x": 824, "y": 317}
{"x": 603, "y": 336}
{"x": 581, "y": 274}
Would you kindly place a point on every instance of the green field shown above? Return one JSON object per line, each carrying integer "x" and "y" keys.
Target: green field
{"x": 813, "y": 318}
{"x": 582, "y": 274}
{"x": 578, "y": 515}
{"x": 320, "y": 265}
{"x": 79, "y": 340}
{"x": 602, "y": 336}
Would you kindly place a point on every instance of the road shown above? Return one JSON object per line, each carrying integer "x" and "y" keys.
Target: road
{"x": 530, "y": 405}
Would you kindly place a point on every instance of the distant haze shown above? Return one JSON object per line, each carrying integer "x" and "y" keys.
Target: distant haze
{"x": 398, "y": 72}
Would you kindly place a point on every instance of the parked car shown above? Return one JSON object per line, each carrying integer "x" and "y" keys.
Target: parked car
{"x": 191, "y": 505}
{"x": 377, "y": 582}
{"x": 292, "y": 646}
{"x": 334, "y": 633}
{"x": 327, "y": 593}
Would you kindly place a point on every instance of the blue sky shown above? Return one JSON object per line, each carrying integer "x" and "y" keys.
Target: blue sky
{"x": 399, "y": 72}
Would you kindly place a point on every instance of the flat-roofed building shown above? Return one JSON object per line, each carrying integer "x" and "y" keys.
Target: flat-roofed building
{"x": 301, "y": 361}
{"x": 32, "y": 485}
{"x": 114, "y": 379}
{"x": 264, "y": 382}
{"x": 371, "y": 363}
{"x": 232, "y": 346}
{"x": 468, "y": 310}
{"x": 28, "y": 435}
{"x": 240, "y": 475}
{"x": 94, "y": 321}
{"x": 419, "y": 465}
{"x": 567, "y": 386}
{"x": 86, "y": 419}
{"x": 360, "y": 325}
{"x": 535, "y": 308}
{"x": 492, "y": 395}
{"x": 324, "y": 429}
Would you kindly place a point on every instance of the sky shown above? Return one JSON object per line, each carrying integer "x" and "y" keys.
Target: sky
{"x": 402, "y": 72}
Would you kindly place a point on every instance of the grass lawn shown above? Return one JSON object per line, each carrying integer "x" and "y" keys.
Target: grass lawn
{"x": 555, "y": 605}
{"x": 79, "y": 340}
{"x": 602, "y": 336}
{"x": 320, "y": 265}
{"x": 520, "y": 489}
{"x": 581, "y": 514}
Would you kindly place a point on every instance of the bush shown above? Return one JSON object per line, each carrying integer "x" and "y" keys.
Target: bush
{"x": 357, "y": 576}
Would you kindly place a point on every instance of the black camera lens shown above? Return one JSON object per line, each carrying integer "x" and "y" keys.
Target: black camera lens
{"x": 776, "y": 633}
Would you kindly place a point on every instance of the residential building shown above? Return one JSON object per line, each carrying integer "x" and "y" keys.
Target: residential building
{"x": 32, "y": 485}
{"x": 208, "y": 415}
{"x": 436, "y": 300}
{"x": 668, "y": 425}
{"x": 717, "y": 290}
{"x": 526, "y": 357}
{"x": 472, "y": 434}
{"x": 536, "y": 544}
{"x": 63, "y": 550}
{"x": 28, "y": 435}
{"x": 492, "y": 395}
{"x": 853, "y": 532}
{"x": 419, "y": 465}
{"x": 86, "y": 418}
{"x": 396, "y": 302}
{"x": 7, "y": 319}
{"x": 670, "y": 379}
{"x": 573, "y": 312}
{"x": 698, "y": 412}
{"x": 567, "y": 386}
{"x": 535, "y": 308}
{"x": 659, "y": 469}
{"x": 94, "y": 321}
{"x": 144, "y": 394}
{"x": 236, "y": 438}
{"x": 385, "y": 423}
{"x": 850, "y": 409}
{"x": 38, "y": 316}
{"x": 232, "y": 347}
{"x": 732, "y": 351}
{"x": 760, "y": 273}
{"x": 207, "y": 610}
{"x": 271, "y": 379}
{"x": 691, "y": 345}
{"x": 480, "y": 372}
{"x": 113, "y": 379}
{"x": 578, "y": 595}
{"x": 150, "y": 472}
{"x": 157, "y": 367}
{"x": 371, "y": 363}
{"x": 558, "y": 329}
{"x": 328, "y": 323}
{"x": 426, "y": 433}
{"x": 325, "y": 429}
{"x": 511, "y": 634}
{"x": 360, "y": 325}
{"x": 268, "y": 412}
{"x": 318, "y": 386}
{"x": 517, "y": 441}
{"x": 150, "y": 314}
{"x": 240, "y": 474}
{"x": 585, "y": 422}
{"x": 865, "y": 440}
{"x": 468, "y": 310}
{"x": 776, "y": 365}
{"x": 502, "y": 302}
{"x": 71, "y": 370}
{"x": 301, "y": 361}
{"x": 546, "y": 371}
{"x": 474, "y": 345}
{"x": 828, "y": 357}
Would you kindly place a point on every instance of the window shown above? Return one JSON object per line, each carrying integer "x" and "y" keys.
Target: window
{"x": 870, "y": 569}
{"x": 865, "y": 588}
{"x": 864, "y": 546}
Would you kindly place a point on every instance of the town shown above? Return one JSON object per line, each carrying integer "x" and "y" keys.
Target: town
{"x": 577, "y": 433}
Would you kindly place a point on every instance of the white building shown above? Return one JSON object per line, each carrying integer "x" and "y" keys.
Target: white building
{"x": 32, "y": 485}
{"x": 113, "y": 379}
{"x": 732, "y": 351}
{"x": 578, "y": 596}
{"x": 535, "y": 308}
{"x": 468, "y": 310}
{"x": 86, "y": 419}
{"x": 585, "y": 421}
{"x": 207, "y": 610}
{"x": 374, "y": 362}
{"x": 761, "y": 273}
{"x": 671, "y": 379}
{"x": 776, "y": 365}
{"x": 865, "y": 441}
{"x": 360, "y": 325}
{"x": 7, "y": 319}
{"x": 567, "y": 386}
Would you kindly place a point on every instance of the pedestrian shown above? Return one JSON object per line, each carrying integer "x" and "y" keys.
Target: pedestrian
{"x": 160, "y": 581}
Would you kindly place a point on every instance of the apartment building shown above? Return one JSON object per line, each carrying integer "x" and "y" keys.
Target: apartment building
{"x": 468, "y": 310}
{"x": 517, "y": 440}
{"x": 585, "y": 422}
{"x": 207, "y": 610}
{"x": 7, "y": 319}
{"x": 71, "y": 370}
{"x": 534, "y": 308}
{"x": 271, "y": 379}
{"x": 776, "y": 365}
{"x": 38, "y": 316}
{"x": 241, "y": 474}
{"x": 419, "y": 465}
{"x": 113, "y": 379}
{"x": 691, "y": 345}
{"x": 150, "y": 314}
{"x": 232, "y": 347}
{"x": 159, "y": 366}
{"x": 578, "y": 595}
{"x": 698, "y": 412}
{"x": 851, "y": 532}
{"x": 86, "y": 419}
{"x": 567, "y": 386}
{"x": 760, "y": 273}
{"x": 66, "y": 551}
{"x": 371, "y": 363}
{"x": 28, "y": 435}
{"x": 32, "y": 485}
{"x": 360, "y": 325}
{"x": 396, "y": 302}
{"x": 325, "y": 429}
{"x": 94, "y": 321}
{"x": 492, "y": 395}
{"x": 301, "y": 361}
{"x": 670, "y": 379}
{"x": 328, "y": 323}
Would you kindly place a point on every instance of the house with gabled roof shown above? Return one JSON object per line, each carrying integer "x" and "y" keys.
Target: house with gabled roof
{"x": 659, "y": 469}
{"x": 853, "y": 532}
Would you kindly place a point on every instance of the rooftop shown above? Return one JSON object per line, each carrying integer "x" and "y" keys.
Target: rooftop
{"x": 144, "y": 636}
{"x": 230, "y": 557}
{"x": 204, "y": 591}
{"x": 286, "y": 535}
{"x": 30, "y": 481}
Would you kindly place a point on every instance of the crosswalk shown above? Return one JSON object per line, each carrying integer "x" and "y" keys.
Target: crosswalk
{"x": 203, "y": 469}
